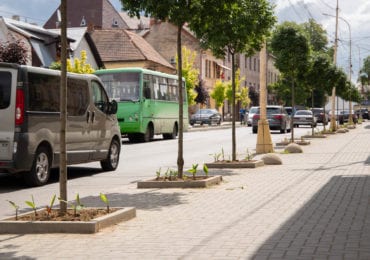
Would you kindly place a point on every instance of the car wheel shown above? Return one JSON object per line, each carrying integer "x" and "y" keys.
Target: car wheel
{"x": 219, "y": 122}
{"x": 40, "y": 171}
{"x": 111, "y": 163}
{"x": 283, "y": 130}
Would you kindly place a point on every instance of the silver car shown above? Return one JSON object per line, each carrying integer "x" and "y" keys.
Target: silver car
{"x": 304, "y": 117}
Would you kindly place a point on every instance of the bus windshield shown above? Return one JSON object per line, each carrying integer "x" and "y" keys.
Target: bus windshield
{"x": 122, "y": 86}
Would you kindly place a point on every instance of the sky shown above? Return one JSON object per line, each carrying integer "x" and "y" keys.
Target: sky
{"x": 354, "y": 12}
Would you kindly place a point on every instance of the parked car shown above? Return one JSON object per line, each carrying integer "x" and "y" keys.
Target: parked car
{"x": 206, "y": 116}
{"x": 364, "y": 113}
{"x": 304, "y": 117}
{"x": 277, "y": 117}
{"x": 322, "y": 117}
{"x": 30, "y": 122}
{"x": 344, "y": 117}
{"x": 251, "y": 113}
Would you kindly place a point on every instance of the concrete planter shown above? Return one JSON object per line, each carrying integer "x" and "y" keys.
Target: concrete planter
{"x": 199, "y": 182}
{"x": 12, "y": 226}
{"x": 314, "y": 136}
{"x": 236, "y": 164}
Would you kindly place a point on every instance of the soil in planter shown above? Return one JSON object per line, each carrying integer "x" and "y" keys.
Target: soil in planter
{"x": 236, "y": 161}
{"x": 186, "y": 179}
{"x": 54, "y": 215}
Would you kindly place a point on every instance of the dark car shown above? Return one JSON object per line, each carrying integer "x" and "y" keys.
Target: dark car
{"x": 277, "y": 117}
{"x": 344, "y": 117}
{"x": 206, "y": 116}
{"x": 322, "y": 117}
{"x": 364, "y": 113}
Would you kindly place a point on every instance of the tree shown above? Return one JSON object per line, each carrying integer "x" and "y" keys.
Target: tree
{"x": 189, "y": 72}
{"x": 202, "y": 93}
{"x": 232, "y": 26}
{"x": 13, "y": 52}
{"x": 291, "y": 49}
{"x": 178, "y": 13}
{"x": 218, "y": 93}
{"x": 316, "y": 36}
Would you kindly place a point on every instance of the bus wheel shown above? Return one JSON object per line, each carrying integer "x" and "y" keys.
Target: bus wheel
{"x": 171, "y": 135}
{"x": 148, "y": 135}
{"x": 40, "y": 171}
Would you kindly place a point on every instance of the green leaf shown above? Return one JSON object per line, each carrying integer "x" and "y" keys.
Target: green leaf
{"x": 205, "y": 168}
{"x": 31, "y": 204}
{"x": 104, "y": 198}
{"x": 52, "y": 201}
{"x": 13, "y": 204}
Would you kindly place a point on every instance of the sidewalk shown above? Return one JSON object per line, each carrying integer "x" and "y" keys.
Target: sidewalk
{"x": 314, "y": 206}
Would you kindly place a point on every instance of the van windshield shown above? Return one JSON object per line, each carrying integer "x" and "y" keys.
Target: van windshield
{"x": 122, "y": 86}
{"x": 5, "y": 88}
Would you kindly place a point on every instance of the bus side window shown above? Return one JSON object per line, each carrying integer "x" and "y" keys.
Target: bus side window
{"x": 147, "y": 90}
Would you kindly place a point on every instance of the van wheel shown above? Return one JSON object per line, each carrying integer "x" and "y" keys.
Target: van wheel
{"x": 254, "y": 130}
{"x": 171, "y": 135}
{"x": 111, "y": 163}
{"x": 40, "y": 171}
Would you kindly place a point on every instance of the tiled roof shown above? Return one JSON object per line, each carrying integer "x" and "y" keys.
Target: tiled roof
{"x": 122, "y": 45}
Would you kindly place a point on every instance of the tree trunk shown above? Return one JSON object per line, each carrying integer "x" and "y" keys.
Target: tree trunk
{"x": 291, "y": 119}
{"x": 233, "y": 106}
{"x": 180, "y": 156}
{"x": 63, "y": 110}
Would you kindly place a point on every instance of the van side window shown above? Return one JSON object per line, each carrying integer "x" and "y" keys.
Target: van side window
{"x": 77, "y": 97}
{"x": 5, "y": 88}
{"x": 43, "y": 92}
{"x": 99, "y": 96}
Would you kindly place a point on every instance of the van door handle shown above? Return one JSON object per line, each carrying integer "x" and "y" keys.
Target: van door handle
{"x": 87, "y": 116}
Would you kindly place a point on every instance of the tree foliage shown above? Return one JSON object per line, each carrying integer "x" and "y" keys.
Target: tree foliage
{"x": 218, "y": 93}
{"x": 79, "y": 65}
{"x": 202, "y": 93}
{"x": 13, "y": 52}
{"x": 190, "y": 73}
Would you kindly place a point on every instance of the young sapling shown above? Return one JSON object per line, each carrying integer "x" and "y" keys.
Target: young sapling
{"x": 16, "y": 207}
{"x": 32, "y": 205}
{"x": 105, "y": 200}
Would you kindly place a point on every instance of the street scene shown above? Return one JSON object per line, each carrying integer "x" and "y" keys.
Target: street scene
{"x": 229, "y": 129}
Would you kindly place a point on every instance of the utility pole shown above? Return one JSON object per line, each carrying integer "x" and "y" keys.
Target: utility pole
{"x": 333, "y": 126}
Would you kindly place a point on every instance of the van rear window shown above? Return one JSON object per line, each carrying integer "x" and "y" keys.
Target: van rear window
{"x": 5, "y": 88}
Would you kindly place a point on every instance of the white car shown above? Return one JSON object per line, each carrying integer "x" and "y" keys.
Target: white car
{"x": 251, "y": 113}
{"x": 304, "y": 117}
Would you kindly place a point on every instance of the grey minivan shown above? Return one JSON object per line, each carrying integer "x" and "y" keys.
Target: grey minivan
{"x": 30, "y": 122}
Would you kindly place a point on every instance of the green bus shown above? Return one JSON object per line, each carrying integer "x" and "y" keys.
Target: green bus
{"x": 148, "y": 102}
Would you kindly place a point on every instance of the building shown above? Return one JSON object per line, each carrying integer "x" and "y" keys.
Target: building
{"x": 122, "y": 48}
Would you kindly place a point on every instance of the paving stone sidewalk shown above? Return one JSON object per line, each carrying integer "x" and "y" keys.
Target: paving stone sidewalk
{"x": 314, "y": 206}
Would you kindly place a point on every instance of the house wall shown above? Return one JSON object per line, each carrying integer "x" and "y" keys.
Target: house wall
{"x": 84, "y": 46}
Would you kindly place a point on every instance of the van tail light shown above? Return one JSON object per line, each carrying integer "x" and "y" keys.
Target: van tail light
{"x": 19, "y": 107}
{"x": 256, "y": 117}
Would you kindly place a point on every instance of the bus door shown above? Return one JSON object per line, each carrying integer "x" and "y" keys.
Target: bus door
{"x": 148, "y": 104}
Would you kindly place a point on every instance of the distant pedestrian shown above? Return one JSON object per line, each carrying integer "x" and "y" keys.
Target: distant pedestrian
{"x": 242, "y": 115}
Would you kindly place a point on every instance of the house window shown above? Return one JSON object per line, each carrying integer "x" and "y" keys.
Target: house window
{"x": 250, "y": 63}
{"x": 254, "y": 64}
